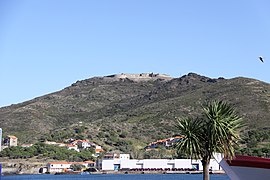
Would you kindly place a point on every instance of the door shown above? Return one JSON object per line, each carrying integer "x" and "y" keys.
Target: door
{"x": 116, "y": 167}
{"x": 195, "y": 166}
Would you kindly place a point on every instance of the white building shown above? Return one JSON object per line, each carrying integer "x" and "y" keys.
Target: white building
{"x": 84, "y": 144}
{"x": 63, "y": 166}
{"x": 58, "y": 166}
{"x": 10, "y": 141}
{"x": 116, "y": 156}
{"x": 164, "y": 164}
{"x": 74, "y": 147}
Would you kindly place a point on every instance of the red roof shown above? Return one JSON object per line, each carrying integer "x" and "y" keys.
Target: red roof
{"x": 99, "y": 150}
{"x": 71, "y": 145}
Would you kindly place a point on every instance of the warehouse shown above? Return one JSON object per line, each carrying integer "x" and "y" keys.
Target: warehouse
{"x": 115, "y": 164}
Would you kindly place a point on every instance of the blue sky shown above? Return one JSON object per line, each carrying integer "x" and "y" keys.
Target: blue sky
{"x": 46, "y": 45}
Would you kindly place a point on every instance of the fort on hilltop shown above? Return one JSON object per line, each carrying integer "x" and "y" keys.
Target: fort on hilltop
{"x": 141, "y": 77}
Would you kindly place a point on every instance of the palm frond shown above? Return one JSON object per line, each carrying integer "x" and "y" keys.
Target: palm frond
{"x": 190, "y": 144}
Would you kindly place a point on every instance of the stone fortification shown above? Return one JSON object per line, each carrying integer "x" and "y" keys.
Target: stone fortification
{"x": 141, "y": 77}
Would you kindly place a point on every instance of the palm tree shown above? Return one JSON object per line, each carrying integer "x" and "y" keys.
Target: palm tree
{"x": 217, "y": 131}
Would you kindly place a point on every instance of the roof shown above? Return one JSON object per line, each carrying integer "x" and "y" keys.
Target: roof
{"x": 12, "y": 137}
{"x": 65, "y": 162}
{"x": 79, "y": 140}
{"x": 108, "y": 155}
{"x": 26, "y": 145}
{"x": 71, "y": 145}
{"x": 89, "y": 162}
{"x": 59, "y": 162}
{"x": 99, "y": 150}
{"x": 178, "y": 137}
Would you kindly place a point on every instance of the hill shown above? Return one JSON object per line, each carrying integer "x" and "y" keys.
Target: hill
{"x": 127, "y": 111}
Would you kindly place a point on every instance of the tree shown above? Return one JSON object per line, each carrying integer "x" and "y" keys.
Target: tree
{"x": 77, "y": 167}
{"x": 216, "y": 131}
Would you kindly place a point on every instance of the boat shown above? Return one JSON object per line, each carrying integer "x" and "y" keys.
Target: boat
{"x": 67, "y": 172}
{"x": 85, "y": 173}
{"x": 246, "y": 168}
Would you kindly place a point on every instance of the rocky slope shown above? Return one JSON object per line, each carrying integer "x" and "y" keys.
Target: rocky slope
{"x": 130, "y": 110}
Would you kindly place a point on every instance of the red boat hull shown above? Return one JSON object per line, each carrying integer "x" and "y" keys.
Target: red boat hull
{"x": 247, "y": 168}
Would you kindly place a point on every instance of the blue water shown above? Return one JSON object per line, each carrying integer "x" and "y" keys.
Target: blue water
{"x": 120, "y": 177}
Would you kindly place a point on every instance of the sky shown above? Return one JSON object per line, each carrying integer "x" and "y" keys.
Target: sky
{"x": 46, "y": 45}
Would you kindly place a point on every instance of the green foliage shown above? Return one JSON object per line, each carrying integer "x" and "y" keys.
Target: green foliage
{"x": 159, "y": 153}
{"x": 123, "y": 134}
{"x": 58, "y": 135}
{"x": 217, "y": 131}
{"x": 255, "y": 142}
{"x": 18, "y": 152}
{"x": 61, "y": 135}
{"x": 193, "y": 131}
{"x": 80, "y": 129}
{"x": 144, "y": 109}
{"x": 101, "y": 134}
{"x": 252, "y": 138}
{"x": 77, "y": 167}
{"x": 48, "y": 151}
{"x": 260, "y": 152}
{"x": 222, "y": 127}
{"x": 153, "y": 154}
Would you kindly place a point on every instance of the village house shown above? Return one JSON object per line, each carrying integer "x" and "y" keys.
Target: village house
{"x": 73, "y": 147}
{"x": 83, "y": 144}
{"x": 10, "y": 141}
{"x": 116, "y": 156}
{"x": 78, "y": 145}
{"x": 167, "y": 143}
{"x": 98, "y": 150}
{"x": 63, "y": 166}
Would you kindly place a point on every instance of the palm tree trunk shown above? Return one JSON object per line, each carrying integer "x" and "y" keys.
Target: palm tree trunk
{"x": 205, "y": 164}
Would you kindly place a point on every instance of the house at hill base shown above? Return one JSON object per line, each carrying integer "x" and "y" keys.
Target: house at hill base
{"x": 10, "y": 141}
{"x": 63, "y": 166}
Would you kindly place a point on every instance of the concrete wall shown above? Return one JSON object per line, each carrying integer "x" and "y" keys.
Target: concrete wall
{"x": 31, "y": 170}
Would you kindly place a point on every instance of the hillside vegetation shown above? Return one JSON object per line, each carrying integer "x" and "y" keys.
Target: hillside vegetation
{"x": 126, "y": 113}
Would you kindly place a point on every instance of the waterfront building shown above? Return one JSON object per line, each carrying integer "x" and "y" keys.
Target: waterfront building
{"x": 63, "y": 166}
{"x": 115, "y": 164}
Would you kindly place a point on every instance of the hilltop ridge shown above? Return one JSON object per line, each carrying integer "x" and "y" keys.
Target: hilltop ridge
{"x": 125, "y": 111}
{"x": 141, "y": 76}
